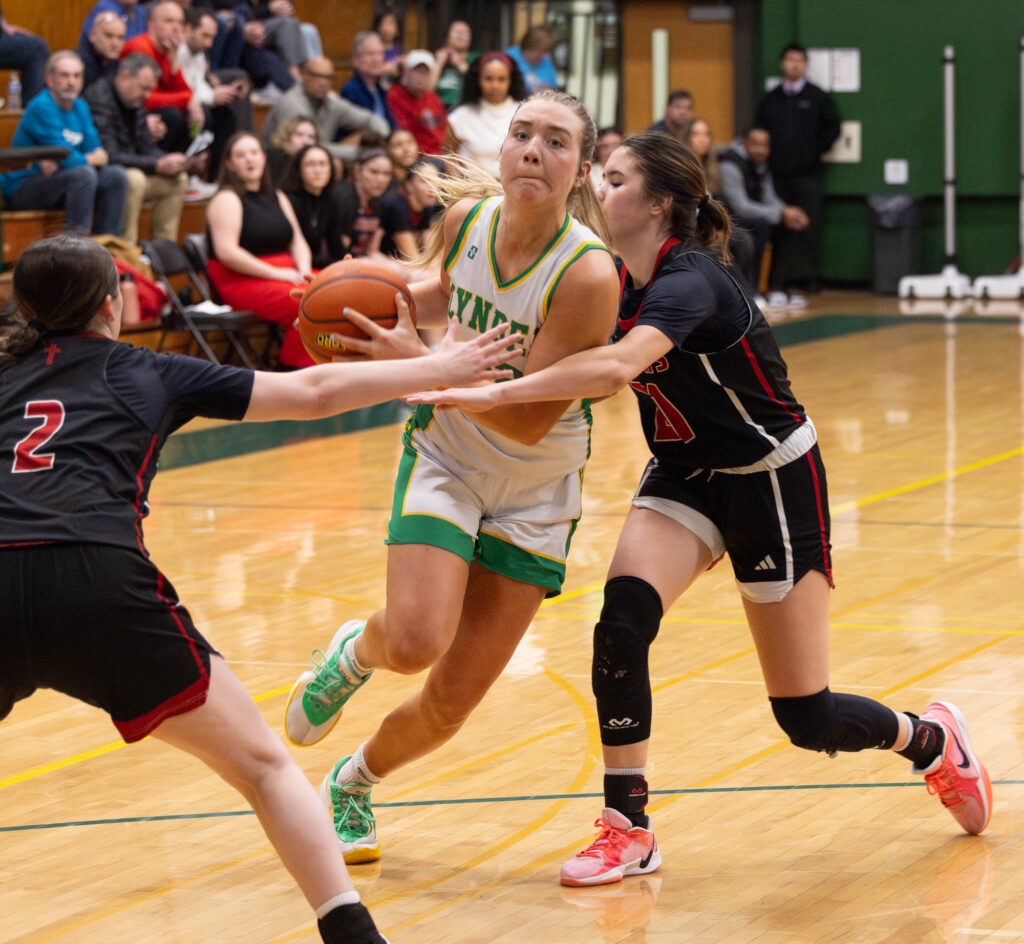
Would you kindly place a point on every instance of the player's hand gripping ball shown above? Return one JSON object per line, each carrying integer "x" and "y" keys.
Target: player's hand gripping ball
{"x": 366, "y": 287}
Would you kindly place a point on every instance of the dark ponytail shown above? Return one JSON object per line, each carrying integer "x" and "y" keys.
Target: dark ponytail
{"x": 670, "y": 169}
{"x": 59, "y": 285}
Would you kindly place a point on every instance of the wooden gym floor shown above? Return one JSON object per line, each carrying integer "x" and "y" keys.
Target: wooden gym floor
{"x": 920, "y": 418}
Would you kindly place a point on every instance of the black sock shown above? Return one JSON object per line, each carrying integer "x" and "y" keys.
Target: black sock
{"x": 627, "y": 793}
{"x": 349, "y": 924}
{"x": 926, "y": 742}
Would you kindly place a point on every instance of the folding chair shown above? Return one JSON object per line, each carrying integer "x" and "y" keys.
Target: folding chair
{"x": 169, "y": 260}
{"x": 196, "y": 248}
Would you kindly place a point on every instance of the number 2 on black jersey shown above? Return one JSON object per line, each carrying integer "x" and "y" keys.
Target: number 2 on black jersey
{"x": 27, "y": 457}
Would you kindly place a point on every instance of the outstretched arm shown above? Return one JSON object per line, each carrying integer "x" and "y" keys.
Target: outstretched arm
{"x": 595, "y": 372}
{"x": 581, "y": 316}
{"x": 334, "y": 388}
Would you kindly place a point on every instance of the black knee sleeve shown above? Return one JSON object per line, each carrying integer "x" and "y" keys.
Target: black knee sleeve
{"x": 835, "y": 722}
{"x": 622, "y": 637}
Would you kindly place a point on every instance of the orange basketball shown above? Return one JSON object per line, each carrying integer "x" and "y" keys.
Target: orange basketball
{"x": 365, "y": 286}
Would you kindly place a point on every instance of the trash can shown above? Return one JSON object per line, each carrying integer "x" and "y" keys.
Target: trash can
{"x": 895, "y": 239}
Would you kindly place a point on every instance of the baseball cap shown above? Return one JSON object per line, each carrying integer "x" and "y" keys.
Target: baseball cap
{"x": 419, "y": 57}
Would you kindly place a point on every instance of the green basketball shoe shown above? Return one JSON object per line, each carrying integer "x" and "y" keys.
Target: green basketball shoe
{"x": 354, "y": 821}
{"x": 316, "y": 699}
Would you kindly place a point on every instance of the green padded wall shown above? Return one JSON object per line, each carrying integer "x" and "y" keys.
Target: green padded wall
{"x": 900, "y": 109}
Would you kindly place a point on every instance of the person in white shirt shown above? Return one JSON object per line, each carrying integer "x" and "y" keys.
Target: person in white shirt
{"x": 224, "y": 96}
{"x": 491, "y": 92}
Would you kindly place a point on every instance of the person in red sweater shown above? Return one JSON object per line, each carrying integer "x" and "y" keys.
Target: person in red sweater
{"x": 174, "y": 111}
{"x": 414, "y": 104}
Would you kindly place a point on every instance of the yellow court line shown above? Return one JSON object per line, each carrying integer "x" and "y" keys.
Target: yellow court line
{"x": 846, "y": 506}
{"x": 931, "y": 480}
{"x": 79, "y": 758}
{"x": 33, "y": 772}
{"x": 486, "y": 758}
{"x": 552, "y": 810}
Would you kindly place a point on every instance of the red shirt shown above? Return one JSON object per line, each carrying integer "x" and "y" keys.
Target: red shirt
{"x": 172, "y": 91}
{"x": 425, "y": 117}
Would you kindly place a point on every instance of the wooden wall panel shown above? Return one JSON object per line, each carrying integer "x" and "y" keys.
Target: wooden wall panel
{"x": 700, "y": 61}
{"x": 57, "y": 23}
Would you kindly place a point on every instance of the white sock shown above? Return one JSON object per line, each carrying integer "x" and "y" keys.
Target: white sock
{"x": 902, "y": 745}
{"x": 349, "y": 651}
{"x": 355, "y": 776}
{"x": 345, "y": 898}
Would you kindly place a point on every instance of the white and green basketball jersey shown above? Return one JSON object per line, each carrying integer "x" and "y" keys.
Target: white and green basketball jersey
{"x": 480, "y": 300}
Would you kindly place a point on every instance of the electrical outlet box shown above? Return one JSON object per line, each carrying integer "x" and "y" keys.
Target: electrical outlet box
{"x": 896, "y": 172}
{"x": 846, "y": 150}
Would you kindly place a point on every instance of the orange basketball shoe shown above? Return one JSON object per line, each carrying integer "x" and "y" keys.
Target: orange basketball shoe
{"x": 956, "y": 776}
{"x": 620, "y": 849}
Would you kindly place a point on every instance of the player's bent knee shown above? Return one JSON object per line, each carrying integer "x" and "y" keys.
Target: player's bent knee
{"x": 832, "y": 722}
{"x": 620, "y": 677}
{"x": 408, "y": 655}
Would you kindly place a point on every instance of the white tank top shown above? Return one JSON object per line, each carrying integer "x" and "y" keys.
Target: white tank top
{"x": 479, "y": 300}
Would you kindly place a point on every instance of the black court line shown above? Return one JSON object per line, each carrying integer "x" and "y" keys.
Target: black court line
{"x": 460, "y": 801}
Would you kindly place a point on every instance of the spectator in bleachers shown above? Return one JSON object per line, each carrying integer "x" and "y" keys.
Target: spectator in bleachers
{"x": 406, "y": 213}
{"x": 678, "y": 115}
{"x": 453, "y": 59}
{"x": 335, "y": 117}
{"x": 118, "y": 110}
{"x": 364, "y": 88}
{"x": 26, "y": 53}
{"x": 490, "y": 96}
{"x": 89, "y": 189}
{"x": 371, "y": 175}
{"x": 132, "y": 14}
{"x": 387, "y": 27}
{"x": 225, "y": 96}
{"x": 281, "y": 32}
{"x": 699, "y": 139}
{"x": 608, "y": 139}
{"x": 404, "y": 152}
{"x": 325, "y": 219}
{"x": 102, "y": 47}
{"x": 241, "y": 44}
{"x": 172, "y": 99}
{"x": 257, "y": 251}
{"x": 415, "y": 105}
{"x": 751, "y": 197}
{"x": 289, "y": 138}
{"x": 743, "y": 248}
{"x": 533, "y": 56}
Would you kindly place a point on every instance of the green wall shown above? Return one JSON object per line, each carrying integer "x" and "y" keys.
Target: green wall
{"x": 899, "y": 106}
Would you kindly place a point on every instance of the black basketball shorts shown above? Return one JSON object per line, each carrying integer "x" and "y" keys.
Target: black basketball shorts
{"x": 773, "y": 523}
{"x": 103, "y": 625}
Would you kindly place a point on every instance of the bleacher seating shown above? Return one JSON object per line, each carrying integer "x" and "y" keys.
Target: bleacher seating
{"x": 21, "y": 228}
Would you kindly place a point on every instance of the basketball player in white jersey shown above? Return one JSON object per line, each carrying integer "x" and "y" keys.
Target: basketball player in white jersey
{"x": 484, "y": 507}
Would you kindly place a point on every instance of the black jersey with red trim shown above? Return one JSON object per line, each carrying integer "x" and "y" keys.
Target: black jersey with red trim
{"x": 720, "y": 398}
{"x": 82, "y": 421}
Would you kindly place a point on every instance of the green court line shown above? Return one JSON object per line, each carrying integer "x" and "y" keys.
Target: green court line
{"x": 514, "y": 799}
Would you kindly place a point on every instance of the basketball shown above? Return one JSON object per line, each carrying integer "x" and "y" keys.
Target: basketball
{"x": 366, "y": 287}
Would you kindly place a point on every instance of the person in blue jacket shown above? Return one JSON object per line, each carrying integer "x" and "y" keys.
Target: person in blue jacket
{"x": 89, "y": 189}
{"x": 533, "y": 56}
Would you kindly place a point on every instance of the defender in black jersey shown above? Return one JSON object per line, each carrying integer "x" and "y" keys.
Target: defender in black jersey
{"x": 84, "y": 611}
{"x": 735, "y": 469}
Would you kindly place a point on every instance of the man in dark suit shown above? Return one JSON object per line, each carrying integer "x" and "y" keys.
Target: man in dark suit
{"x": 803, "y": 123}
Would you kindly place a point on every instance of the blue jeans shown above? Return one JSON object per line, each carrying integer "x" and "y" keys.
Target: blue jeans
{"x": 77, "y": 190}
{"x": 28, "y": 55}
